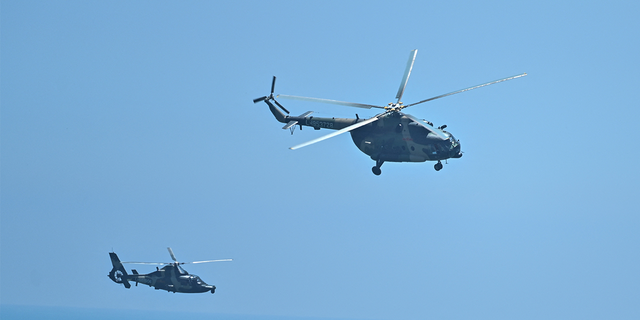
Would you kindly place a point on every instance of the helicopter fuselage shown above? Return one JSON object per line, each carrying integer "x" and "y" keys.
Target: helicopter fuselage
{"x": 394, "y": 137}
{"x": 171, "y": 279}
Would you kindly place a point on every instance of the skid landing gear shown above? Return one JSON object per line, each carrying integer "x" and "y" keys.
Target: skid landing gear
{"x": 438, "y": 166}
{"x": 376, "y": 169}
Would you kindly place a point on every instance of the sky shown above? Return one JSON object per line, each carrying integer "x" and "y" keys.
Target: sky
{"x": 129, "y": 126}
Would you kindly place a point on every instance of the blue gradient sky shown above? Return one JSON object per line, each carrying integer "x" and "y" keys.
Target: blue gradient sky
{"x": 129, "y": 126}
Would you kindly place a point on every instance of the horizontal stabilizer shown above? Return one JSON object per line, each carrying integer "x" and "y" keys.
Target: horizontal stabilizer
{"x": 294, "y": 122}
{"x": 290, "y": 124}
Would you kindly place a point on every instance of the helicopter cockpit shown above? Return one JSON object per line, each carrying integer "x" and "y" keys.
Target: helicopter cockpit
{"x": 195, "y": 279}
{"x": 454, "y": 142}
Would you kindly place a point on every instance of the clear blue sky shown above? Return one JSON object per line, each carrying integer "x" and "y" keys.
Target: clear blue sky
{"x": 129, "y": 126}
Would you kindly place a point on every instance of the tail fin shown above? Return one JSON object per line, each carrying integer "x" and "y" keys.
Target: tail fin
{"x": 118, "y": 274}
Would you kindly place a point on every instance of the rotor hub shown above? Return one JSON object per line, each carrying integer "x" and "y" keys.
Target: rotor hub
{"x": 394, "y": 107}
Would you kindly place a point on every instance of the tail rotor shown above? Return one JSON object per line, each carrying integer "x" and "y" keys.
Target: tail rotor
{"x": 270, "y": 96}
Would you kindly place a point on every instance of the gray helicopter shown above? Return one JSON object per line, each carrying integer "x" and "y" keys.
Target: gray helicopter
{"x": 391, "y": 136}
{"x": 172, "y": 277}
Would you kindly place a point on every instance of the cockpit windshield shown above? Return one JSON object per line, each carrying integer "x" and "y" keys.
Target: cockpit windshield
{"x": 454, "y": 142}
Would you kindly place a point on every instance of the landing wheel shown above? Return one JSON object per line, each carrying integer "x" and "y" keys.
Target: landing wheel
{"x": 438, "y": 166}
{"x": 376, "y": 170}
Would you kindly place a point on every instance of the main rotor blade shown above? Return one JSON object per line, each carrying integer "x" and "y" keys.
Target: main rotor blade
{"x": 281, "y": 107}
{"x": 152, "y": 263}
{"x": 256, "y": 100}
{"x": 219, "y": 260}
{"x": 433, "y": 130}
{"x": 273, "y": 84}
{"x": 467, "y": 89}
{"x": 342, "y": 103}
{"x": 407, "y": 72}
{"x": 341, "y": 131}
{"x": 171, "y": 253}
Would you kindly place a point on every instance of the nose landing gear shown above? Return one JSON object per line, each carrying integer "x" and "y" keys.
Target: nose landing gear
{"x": 438, "y": 166}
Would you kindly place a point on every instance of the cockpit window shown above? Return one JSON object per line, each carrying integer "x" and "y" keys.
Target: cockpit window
{"x": 454, "y": 142}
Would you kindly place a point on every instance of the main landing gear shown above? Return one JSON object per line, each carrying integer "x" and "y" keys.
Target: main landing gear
{"x": 376, "y": 169}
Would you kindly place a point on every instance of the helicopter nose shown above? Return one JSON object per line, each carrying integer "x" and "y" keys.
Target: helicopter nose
{"x": 456, "y": 152}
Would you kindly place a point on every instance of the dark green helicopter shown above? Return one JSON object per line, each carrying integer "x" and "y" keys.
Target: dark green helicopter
{"x": 389, "y": 136}
{"x": 172, "y": 277}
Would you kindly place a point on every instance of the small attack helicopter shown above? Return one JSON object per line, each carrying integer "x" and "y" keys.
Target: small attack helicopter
{"x": 172, "y": 277}
{"x": 389, "y": 136}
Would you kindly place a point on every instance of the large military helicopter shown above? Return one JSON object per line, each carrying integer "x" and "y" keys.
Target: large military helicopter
{"x": 389, "y": 136}
{"x": 172, "y": 277}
